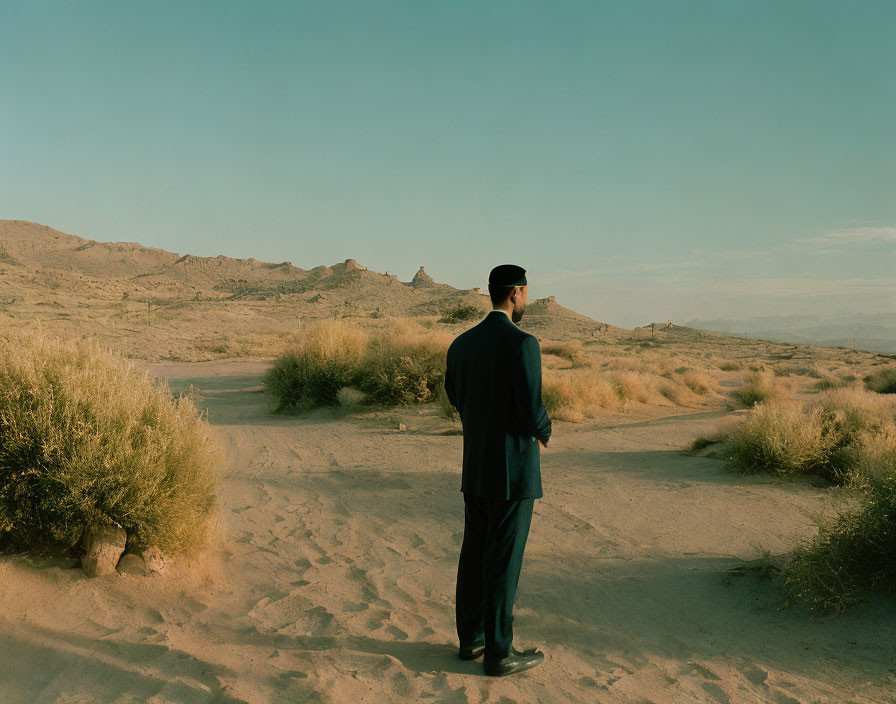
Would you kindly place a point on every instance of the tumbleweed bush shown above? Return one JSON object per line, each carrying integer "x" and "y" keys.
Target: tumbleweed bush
{"x": 86, "y": 441}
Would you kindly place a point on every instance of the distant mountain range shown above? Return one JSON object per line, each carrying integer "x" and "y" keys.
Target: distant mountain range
{"x": 873, "y": 332}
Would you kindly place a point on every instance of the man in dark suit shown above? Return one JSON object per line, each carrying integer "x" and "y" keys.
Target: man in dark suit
{"x": 493, "y": 379}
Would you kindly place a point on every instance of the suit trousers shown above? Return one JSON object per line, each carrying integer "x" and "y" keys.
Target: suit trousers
{"x": 495, "y": 533}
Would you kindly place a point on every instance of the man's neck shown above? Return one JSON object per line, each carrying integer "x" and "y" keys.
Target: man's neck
{"x": 501, "y": 310}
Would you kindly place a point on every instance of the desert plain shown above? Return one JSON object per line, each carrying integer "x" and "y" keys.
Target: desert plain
{"x": 331, "y": 574}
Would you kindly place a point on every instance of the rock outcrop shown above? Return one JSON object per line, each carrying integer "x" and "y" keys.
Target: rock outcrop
{"x": 422, "y": 280}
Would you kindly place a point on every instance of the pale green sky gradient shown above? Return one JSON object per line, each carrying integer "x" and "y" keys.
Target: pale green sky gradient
{"x": 643, "y": 160}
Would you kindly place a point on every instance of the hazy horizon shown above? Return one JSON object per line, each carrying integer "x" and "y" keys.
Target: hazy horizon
{"x": 643, "y": 162}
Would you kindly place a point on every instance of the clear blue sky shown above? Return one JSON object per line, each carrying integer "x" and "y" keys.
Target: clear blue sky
{"x": 643, "y": 160}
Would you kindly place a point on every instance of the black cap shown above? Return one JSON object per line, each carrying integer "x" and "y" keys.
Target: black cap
{"x": 507, "y": 275}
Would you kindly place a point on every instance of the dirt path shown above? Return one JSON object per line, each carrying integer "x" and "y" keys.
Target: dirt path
{"x": 334, "y": 577}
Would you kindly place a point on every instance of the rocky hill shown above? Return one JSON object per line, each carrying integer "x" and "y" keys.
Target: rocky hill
{"x": 108, "y": 289}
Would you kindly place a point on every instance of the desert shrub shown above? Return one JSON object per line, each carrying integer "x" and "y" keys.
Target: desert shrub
{"x": 577, "y": 394}
{"x": 827, "y": 382}
{"x": 807, "y": 371}
{"x": 781, "y": 438}
{"x": 872, "y": 456}
{"x": 673, "y": 393}
{"x": 87, "y": 442}
{"x": 882, "y": 381}
{"x": 460, "y": 313}
{"x": 853, "y": 418}
{"x": 759, "y": 387}
{"x": 570, "y": 349}
{"x": 324, "y": 360}
{"x": 730, "y": 366}
{"x": 633, "y": 386}
{"x": 852, "y": 555}
{"x": 698, "y": 382}
{"x": 396, "y": 364}
{"x": 835, "y": 436}
{"x": 398, "y": 369}
{"x": 581, "y": 362}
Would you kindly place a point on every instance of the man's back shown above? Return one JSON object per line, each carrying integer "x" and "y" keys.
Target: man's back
{"x": 494, "y": 380}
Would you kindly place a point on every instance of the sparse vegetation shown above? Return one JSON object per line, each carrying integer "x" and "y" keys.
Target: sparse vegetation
{"x": 399, "y": 367}
{"x": 828, "y": 381}
{"x": 326, "y": 359}
{"x": 848, "y": 436}
{"x": 670, "y": 392}
{"x": 780, "y": 438}
{"x": 730, "y": 366}
{"x": 833, "y": 436}
{"x": 882, "y": 381}
{"x": 698, "y": 382}
{"x": 398, "y": 364}
{"x": 852, "y": 555}
{"x": 460, "y": 313}
{"x": 758, "y": 387}
{"x": 570, "y": 350}
{"x": 577, "y": 394}
{"x": 634, "y": 386}
{"x": 85, "y": 442}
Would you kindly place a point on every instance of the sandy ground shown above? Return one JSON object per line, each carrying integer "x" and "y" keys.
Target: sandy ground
{"x": 333, "y": 577}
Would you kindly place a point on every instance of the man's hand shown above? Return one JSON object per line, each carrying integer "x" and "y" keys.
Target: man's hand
{"x": 545, "y": 445}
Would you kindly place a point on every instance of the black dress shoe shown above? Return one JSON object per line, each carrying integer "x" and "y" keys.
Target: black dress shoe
{"x": 517, "y": 661}
{"x": 471, "y": 653}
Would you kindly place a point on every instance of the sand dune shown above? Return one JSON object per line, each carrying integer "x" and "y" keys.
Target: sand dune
{"x": 333, "y": 577}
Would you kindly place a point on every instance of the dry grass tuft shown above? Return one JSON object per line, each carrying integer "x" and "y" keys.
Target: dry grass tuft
{"x": 398, "y": 362}
{"x": 699, "y": 382}
{"x": 323, "y": 361}
{"x": 400, "y": 367}
{"x": 577, "y": 394}
{"x": 852, "y": 555}
{"x": 635, "y": 386}
{"x": 760, "y": 387}
{"x": 570, "y": 349}
{"x": 833, "y": 436}
{"x": 827, "y": 382}
{"x": 781, "y": 438}
{"x": 87, "y": 442}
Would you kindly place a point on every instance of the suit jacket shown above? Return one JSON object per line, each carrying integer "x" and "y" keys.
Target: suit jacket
{"x": 493, "y": 379}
